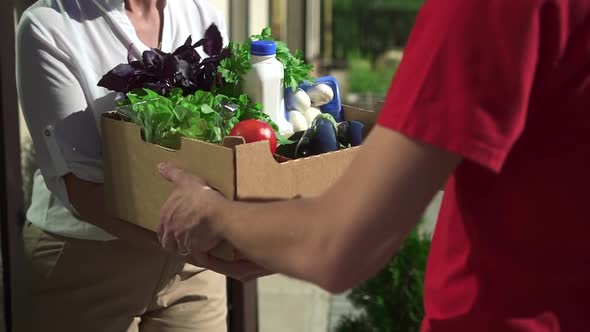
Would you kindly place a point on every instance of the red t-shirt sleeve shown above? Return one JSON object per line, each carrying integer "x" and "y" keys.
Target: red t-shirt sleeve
{"x": 466, "y": 76}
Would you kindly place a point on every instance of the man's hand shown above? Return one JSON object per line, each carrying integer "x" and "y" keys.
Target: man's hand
{"x": 186, "y": 226}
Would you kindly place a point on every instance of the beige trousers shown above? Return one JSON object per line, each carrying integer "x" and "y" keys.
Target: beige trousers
{"x": 96, "y": 286}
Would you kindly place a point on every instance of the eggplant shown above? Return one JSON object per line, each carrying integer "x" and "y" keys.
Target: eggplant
{"x": 355, "y": 132}
{"x": 319, "y": 138}
{"x": 343, "y": 133}
{"x": 288, "y": 150}
{"x": 350, "y": 133}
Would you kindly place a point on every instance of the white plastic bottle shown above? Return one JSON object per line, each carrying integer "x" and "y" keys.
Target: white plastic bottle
{"x": 264, "y": 83}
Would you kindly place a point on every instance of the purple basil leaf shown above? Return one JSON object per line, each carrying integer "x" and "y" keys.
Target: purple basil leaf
{"x": 199, "y": 43}
{"x": 225, "y": 53}
{"x": 213, "y": 41}
{"x": 170, "y": 68}
{"x": 184, "y": 68}
{"x": 118, "y": 78}
{"x": 140, "y": 79}
{"x": 188, "y": 41}
{"x": 137, "y": 64}
{"x": 215, "y": 60}
{"x": 205, "y": 76}
{"x": 152, "y": 61}
{"x": 183, "y": 77}
{"x": 160, "y": 52}
{"x": 187, "y": 53}
{"x": 210, "y": 60}
{"x": 161, "y": 88}
{"x": 161, "y": 71}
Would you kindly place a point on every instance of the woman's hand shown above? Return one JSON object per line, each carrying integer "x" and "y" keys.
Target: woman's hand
{"x": 187, "y": 226}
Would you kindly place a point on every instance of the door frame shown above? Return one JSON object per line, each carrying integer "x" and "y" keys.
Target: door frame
{"x": 11, "y": 194}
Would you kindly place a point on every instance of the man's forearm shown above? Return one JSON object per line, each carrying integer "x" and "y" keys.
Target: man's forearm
{"x": 266, "y": 233}
{"x": 323, "y": 245}
{"x": 336, "y": 240}
{"x": 347, "y": 234}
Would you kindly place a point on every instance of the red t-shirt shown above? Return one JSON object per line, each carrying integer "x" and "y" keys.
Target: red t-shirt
{"x": 506, "y": 85}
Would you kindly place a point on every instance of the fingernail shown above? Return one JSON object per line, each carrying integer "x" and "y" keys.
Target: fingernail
{"x": 162, "y": 166}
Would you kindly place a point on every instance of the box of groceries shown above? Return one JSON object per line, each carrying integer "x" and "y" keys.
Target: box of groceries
{"x": 247, "y": 118}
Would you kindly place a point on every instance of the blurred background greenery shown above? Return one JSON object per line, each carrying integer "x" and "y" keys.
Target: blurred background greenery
{"x": 368, "y": 41}
{"x": 368, "y": 38}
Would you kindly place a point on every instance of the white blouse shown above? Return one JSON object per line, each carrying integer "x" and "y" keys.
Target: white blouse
{"x": 64, "y": 47}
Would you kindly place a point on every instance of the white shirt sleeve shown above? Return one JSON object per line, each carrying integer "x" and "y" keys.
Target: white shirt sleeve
{"x": 64, "y": 132}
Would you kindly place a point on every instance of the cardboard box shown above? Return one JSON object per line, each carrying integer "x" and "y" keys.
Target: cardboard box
{"x": 135, "y": 191}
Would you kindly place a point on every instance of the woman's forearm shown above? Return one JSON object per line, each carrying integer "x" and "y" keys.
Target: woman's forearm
{"x": 88, "y": 200}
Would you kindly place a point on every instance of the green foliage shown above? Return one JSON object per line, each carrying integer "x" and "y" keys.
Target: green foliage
{"x": 372, "y": 26}
{"x": 203, "y": 115}
{"x": 296, "y": 70}
{"x": 364, "y": 78}
{"x": 238, "y": 64}
{"x": 403, "y": 4}
{"x": 392, "y": 300}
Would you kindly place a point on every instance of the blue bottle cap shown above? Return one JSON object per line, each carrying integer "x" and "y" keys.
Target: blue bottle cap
{"x": 263, "y": 48}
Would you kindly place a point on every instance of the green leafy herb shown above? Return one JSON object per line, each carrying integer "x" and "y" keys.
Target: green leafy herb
{"x": 238, "y": 64}
{"x": 296, "y": 70}
{"x": 203, "y": 115}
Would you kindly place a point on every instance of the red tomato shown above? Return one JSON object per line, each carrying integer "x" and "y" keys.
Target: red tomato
{"x": 254, "y": 131}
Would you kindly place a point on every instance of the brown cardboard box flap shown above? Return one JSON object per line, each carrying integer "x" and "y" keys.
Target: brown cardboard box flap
{"x": 368, "y": 118}
{"x": 264, "y": 178}
{"x": 135, "y": 191}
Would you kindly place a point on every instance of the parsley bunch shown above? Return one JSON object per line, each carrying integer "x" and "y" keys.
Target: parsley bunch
{"x": 238, "y": 64}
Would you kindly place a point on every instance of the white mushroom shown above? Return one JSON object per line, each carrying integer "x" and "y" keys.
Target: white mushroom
{"x": 298, "y": 120}
{"x": 298, "y": 101}
{"x": 320, "y": 94}
{"x": 311, "y": 114}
